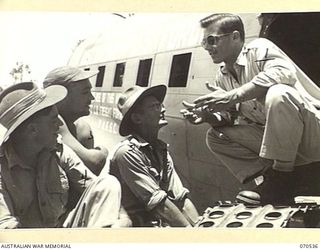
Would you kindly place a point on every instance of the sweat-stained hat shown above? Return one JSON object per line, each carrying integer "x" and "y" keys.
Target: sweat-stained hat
{"x": 20, "y": 101}
{"x": 128, "y": 100}
{"x": 66, "y": 74}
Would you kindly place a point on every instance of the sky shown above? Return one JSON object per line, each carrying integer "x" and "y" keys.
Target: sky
{"x": 45, "y": 40}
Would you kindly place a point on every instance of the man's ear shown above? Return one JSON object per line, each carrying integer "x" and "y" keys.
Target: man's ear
{"x": 136, "y": 118}
{"x": 236, "y": 35}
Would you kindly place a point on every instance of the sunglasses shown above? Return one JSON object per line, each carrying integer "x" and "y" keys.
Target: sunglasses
{"x": 213, "y": 39}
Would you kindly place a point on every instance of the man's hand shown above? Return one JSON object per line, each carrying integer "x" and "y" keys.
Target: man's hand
{"x": 194, "y": 115}
{"x": 218, "y": 100}
{"x": 197, "y": 116}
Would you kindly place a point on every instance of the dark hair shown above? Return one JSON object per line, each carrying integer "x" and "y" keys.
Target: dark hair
{"x": 227, "y": 23}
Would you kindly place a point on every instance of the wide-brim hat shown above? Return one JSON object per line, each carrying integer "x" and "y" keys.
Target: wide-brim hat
{"x": 129, "y": 99}
{"x": 21, "y": 101}
{"x": 67, "y": 74}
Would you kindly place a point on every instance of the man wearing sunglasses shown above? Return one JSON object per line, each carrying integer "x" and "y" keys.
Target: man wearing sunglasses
{"x": 264, "y": 121}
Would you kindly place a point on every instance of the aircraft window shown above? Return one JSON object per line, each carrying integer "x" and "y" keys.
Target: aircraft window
{"x": 144, "y": 72}
{"x": 179, "y": 70}
{"x": 100, "y": 76}
{"x": 118, "y": 77}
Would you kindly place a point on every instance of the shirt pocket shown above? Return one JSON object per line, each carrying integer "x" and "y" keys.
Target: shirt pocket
{"x": 58, "y": 191}
{"x": 254, "y": 111}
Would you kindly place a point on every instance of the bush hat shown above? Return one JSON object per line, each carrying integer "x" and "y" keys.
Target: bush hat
{"x": 66, "y": 74}
{"x": 129, "y": 99}
{"x": 20, "y": 101}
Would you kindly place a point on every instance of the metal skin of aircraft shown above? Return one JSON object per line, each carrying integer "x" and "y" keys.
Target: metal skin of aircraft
{"x": 152, "y": 49}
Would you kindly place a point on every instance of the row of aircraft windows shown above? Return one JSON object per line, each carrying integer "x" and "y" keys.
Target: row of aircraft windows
{"x": 178, "y": 73}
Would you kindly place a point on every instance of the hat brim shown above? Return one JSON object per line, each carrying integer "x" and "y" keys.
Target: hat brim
{"x": 54, "y": 94}
{"x": 85, "y": 75}
{"x": 158, "y": 92}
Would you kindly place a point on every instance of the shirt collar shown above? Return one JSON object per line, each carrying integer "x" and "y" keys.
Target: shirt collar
{"x": 12, "y": 157}
{"x": 138, "y": 141}
{"x": 241, "y": 60}
{"x": 242, "y": 57}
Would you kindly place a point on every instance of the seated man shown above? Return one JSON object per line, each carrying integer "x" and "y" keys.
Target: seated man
{"x": 77, "y": 133}
{"x": 151, "y": 188}
{"x": 265, "y": 125}
{"x": 37, "y": 172}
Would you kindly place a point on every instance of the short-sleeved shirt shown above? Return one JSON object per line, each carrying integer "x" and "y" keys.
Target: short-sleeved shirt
{"x": 262, "y": 63}
{"x": 37, "y": 196}
{"x": 146, "y": 174}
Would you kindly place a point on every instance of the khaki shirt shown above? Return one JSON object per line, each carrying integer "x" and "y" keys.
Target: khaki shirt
{"x": 146, "y": 174}
{"x": 262, "y": 63}
{"x": 37, "y": 196}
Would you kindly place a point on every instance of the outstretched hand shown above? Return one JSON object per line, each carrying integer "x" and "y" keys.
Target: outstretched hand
{"x": 194, "y": 115}
{"x": 217, "y": 100}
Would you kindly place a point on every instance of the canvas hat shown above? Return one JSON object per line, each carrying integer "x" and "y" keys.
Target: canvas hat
{"x": 22, "y": 100}
{"x": 66, "y": 74}
{"x": 128, "y": 100}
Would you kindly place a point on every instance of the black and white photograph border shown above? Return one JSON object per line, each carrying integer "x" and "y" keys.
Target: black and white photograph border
{"x": 122, "y": 44}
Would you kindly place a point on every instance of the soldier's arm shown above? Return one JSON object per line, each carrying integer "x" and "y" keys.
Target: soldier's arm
{"x": 94, "y": 159}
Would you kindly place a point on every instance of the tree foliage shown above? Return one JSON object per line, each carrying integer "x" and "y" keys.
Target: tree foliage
{"x": 19, "y": 71}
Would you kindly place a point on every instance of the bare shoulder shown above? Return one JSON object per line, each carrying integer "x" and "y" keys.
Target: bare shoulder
{"x": 82, "y": 125}
{"x": 84, "y": 133}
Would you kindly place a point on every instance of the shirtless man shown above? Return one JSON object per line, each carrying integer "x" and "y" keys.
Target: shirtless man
{"x": 77, "y": 133}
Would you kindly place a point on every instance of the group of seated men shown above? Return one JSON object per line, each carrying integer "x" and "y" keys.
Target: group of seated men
{"x": 263, "y": 128}
{"x": 52, "y": 176}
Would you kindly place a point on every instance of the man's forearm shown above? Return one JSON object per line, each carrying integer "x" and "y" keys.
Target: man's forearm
{"x": 94, "y": 159}
{"x": 190, "y": 212}
{"x": 247, "y": 92}
{"x": 168, "y": 211}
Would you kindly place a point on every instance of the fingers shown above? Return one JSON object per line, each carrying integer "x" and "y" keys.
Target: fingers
{"x": 183, "y": 111}
{"x": 188, "y": 105}
{"x": 186, "y": 113}
{"x": 200, "y": 100}
{"x": 211, "y": 87}
{"x": 191, "y": 117}
{"x": 199, "y": 120}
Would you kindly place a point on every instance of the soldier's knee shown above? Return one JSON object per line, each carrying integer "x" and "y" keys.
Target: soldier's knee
{"x": 107, "y": 183}
{"x": 276, "y": 95}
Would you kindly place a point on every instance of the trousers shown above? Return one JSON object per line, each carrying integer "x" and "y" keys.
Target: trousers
{"x": 291, "y": 134}
{"x": 99, "y": 205}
